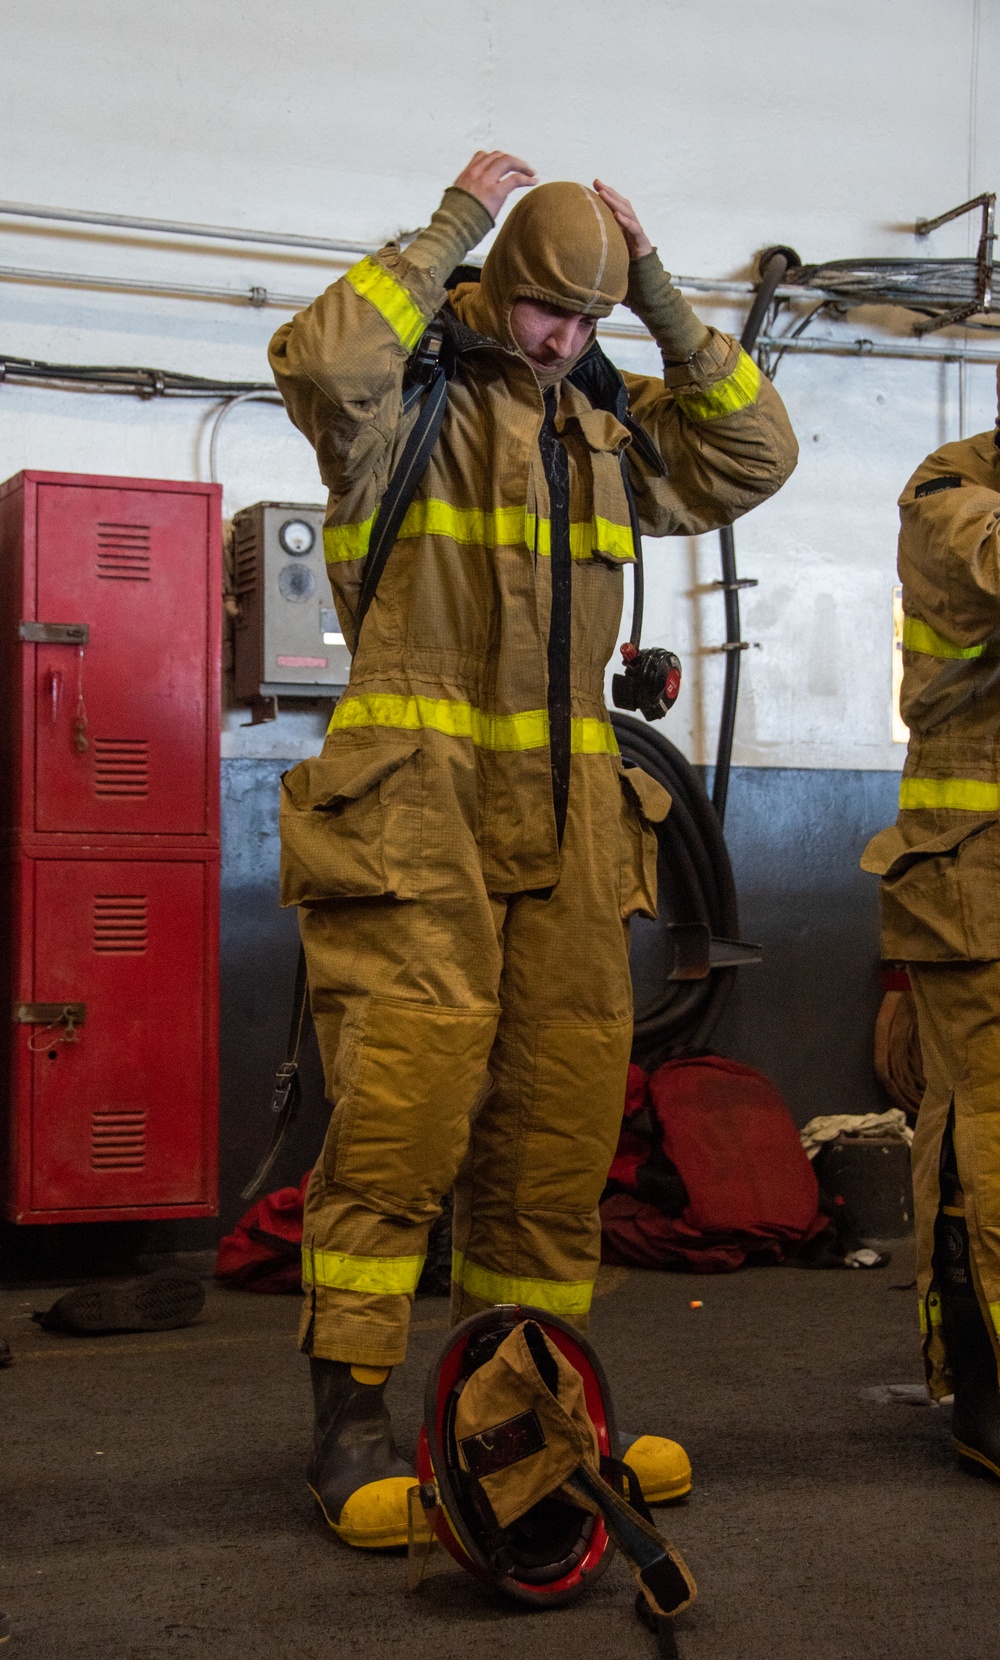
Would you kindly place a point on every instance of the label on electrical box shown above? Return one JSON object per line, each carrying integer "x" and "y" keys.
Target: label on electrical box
{"x": 303, "y": 662}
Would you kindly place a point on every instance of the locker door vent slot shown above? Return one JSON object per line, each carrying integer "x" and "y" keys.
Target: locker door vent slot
{"x": 123, "y": 552}
{"x": 118, "y": 1141}
{"x": 121, "y": 767}
{"x": 120, "y": 923}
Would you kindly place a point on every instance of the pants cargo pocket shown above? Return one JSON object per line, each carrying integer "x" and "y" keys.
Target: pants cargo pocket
{"x": 939, "y": 891}
{"x": 645, "y": 803}
{"x": 406, "y": 1109}
{"x": 351, "y": 822}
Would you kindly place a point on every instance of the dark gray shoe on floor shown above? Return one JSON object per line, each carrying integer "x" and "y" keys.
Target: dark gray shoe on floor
{"x": 6, "y": 1358}
{"x": 5, "y": 1630}
{"x": 157, "y": 1302}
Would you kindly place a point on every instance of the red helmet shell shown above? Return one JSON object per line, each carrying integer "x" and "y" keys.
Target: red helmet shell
{"x": 437, "y": 1460}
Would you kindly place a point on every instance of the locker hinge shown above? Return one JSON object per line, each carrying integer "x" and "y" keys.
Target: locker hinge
{"x": 54, "y": 634}
{"x": 69, "y": 1015}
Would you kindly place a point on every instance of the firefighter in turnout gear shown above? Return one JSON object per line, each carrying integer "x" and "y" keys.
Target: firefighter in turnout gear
{"x": 940, "y": 867}
{"x": 467, "y": 847}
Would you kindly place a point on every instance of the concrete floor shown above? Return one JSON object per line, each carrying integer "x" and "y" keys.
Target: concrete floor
{"x": 152, "y": 1503}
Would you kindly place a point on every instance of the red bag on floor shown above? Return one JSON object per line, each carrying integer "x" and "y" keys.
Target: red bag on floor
{"x": 264, "y": 1250}
{"x": 709, "y": 1172}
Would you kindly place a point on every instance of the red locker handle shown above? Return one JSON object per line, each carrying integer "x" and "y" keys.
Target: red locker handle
{"x": 55, "y": 693}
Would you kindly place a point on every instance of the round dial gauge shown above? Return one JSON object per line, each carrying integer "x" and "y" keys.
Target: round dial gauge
{"x": 297, "y": 536}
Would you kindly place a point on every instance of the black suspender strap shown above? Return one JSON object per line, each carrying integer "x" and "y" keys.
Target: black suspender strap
{"x": 401, "y": 487}
{"x": 556, "y": 464}
{"x": 287, "y": 1084}
{"x": 392, "y": 510}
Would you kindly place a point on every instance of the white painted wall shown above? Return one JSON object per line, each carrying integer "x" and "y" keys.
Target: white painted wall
{"x": 828, "y": 124}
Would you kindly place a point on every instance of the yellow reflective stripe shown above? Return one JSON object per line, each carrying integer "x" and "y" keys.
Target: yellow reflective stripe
{"x": 528, "y": 729}
{"x": 556, "y": 1296}
{"x": 382, "y": 1276}
{"x": 592, "y": 737}
{"x": 342, "y": 542}
{"x": 483, "y": 527}
{"x": 930, "y": 1313}
{"x": 390, "y": 299}
{"x": 727, "y": 396}
{"x": 920, "y": 636}
{"x": 994, "y": 1309}
{"x": 966, "y": 795}
{"x": 501, "y": 527}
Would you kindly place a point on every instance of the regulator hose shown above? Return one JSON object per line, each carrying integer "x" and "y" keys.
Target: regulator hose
{"x": 678, "y": 1017}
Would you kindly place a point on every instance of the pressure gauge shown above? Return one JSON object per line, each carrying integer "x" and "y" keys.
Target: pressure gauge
{"x": 297, "y": 536}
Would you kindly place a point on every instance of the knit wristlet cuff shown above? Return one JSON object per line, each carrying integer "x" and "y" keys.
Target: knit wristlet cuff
{"x": 664, "y": 310}
{"x": 457, "y": 225}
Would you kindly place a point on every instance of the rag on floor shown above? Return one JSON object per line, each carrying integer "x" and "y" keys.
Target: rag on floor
{"x": 710, "y": 1172}
{"x": 864, "y": 1126}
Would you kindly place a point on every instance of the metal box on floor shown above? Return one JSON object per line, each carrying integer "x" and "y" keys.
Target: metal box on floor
{"x": 110, "y": 627}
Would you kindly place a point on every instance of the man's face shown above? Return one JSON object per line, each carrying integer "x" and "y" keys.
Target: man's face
{"x": 548, "y": 335}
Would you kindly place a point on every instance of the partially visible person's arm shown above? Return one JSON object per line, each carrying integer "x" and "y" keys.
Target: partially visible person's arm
{"x": 716, "y": 420}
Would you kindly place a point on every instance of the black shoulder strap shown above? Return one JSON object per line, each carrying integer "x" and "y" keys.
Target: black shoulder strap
{"x": 409, "y": 471}
{"x": 287, "y": 1084}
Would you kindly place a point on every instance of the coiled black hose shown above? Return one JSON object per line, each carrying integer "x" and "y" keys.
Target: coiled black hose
{"x": 677, "y": 1017}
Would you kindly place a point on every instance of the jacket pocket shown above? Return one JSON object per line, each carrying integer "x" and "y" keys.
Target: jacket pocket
{"x": 940, "y": 893}
{"x": 645, "y": 803}
{"x": 351, "y": 822}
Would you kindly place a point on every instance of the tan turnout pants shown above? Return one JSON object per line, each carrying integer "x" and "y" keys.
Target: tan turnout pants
{"x": 479, "y": 1041}
{"x": 958, "y": 1011}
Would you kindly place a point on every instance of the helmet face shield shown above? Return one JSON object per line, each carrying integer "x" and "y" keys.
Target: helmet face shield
{"x": 554, "y": 1548}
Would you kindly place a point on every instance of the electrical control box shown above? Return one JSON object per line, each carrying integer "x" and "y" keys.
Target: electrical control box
{"x": 110, "y": 650}
{"x": 288, "y": 641}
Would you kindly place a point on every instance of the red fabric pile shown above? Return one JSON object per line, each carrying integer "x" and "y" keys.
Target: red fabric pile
{"x": 709, "y": 1173}
{"x": 264, "y": 1250}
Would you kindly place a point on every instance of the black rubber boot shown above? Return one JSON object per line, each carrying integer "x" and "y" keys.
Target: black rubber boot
{"x": 356, "y": 1473}
{"x": 975, "y": 1423}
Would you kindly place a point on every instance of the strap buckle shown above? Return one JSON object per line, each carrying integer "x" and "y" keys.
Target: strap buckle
{"x": 285, "y": 1080}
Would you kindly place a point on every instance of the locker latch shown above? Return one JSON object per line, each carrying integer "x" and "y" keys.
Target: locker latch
{"x": 54, "y": 634}
{"x": 67, "y": 1015}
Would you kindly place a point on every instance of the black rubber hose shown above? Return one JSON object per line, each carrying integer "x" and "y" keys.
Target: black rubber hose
{"x": 677, "y": 1017}
{"x": 774, "y": 263}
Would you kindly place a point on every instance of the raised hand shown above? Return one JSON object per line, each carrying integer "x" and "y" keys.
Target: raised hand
{"x": 491, "y": 175}
{"x": 635, "y": 237}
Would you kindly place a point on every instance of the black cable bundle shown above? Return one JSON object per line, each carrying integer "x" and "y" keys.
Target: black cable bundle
{"x": 677, "y": 1017}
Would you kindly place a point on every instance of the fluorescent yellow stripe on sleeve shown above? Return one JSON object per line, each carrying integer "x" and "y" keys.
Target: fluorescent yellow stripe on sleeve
{"x": 555, "y": 1296}
{"x": 390, "y": 299}
{"x": 737, "y": 391}
{"x": 920, "y": 636}
{"x": 379, "y": 1276}
{"x": 526, "y": 730}
{"x": 966, "y": 795}
{"x": 343, "y": 542}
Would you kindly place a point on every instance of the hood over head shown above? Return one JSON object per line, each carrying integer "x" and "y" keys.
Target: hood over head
{"x": 559, "y": 244}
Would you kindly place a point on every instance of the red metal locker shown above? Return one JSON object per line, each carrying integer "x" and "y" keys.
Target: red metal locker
{"x": 110, "y": 600}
